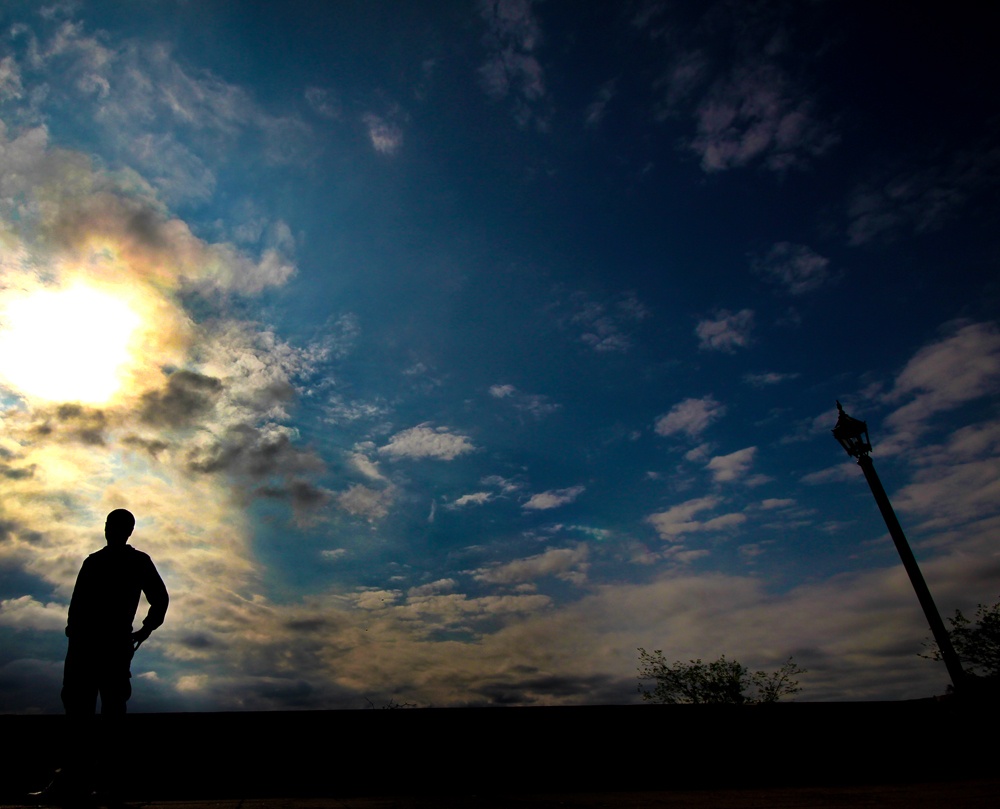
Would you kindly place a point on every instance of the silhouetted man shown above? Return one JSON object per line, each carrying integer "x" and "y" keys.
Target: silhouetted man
{"x": 101, "y": 645}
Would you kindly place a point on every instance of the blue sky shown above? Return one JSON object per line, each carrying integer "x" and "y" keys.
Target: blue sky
{"x": 448, "y": 353}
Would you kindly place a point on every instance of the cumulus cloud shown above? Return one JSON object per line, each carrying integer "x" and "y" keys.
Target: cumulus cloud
{"x": 691, "y": 417}
{"x": 27, "y": 613}
{"x": 424, "y": 441}
{"x": 794, "y": 267}
{"x": 726, "y": 332}
{"x": 361, "y": 501}
{"x": 554, "y": 498}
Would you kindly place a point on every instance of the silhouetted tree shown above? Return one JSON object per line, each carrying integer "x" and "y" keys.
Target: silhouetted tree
{"x": 976, "y": 642}
{"x": 722, "y": 681}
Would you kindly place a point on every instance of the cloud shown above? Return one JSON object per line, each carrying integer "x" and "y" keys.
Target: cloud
{"x": 363, "y": 464}
{"x": 424, "y": 441}
{"x": 735, "y": 465}
{"x": 534, "y": 404}
{"x": 324, "y": 102}
{"x": 776, "y": 502}
{"x": 679, "y": 520}
{"x": 754, "y": 114}
{"x": 918, "y": 201}
{"x": 795, "y": 267}
{"x": 597, "y": 109}
{"x": 568, "y": 564}
{"x": 198, "y": 426}
{"x": 474, "y": 499}
{"x": 511, "y": 68}
{"x": 361, "y": 501}
{"x": 767, "y": 378}
{"x": 386, "y": 135}
{"x": 187, "y": 396}
{"x": 726, "y": 332}
{"x": 10, "y": 79}
{"x": 433, "y": 588}
{"x": 151, "y": 112}
{"x": 506, "y": 485}
{"x": 691, "y": 416}
{"x": 554, "y": 498}
{"x": 27, "y": 613}
{"x": 606, "y": 326}
{"x": 962, "y": 366}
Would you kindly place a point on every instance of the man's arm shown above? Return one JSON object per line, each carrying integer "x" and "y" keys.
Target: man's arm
{"x": 79, "y": 603}
{"x": 156, "y": 594}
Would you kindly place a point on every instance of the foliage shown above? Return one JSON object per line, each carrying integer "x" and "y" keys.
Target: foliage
{"x": 721, "y": 681}
{"x": 977, "y": 643}
{"x": 391, "y": 705}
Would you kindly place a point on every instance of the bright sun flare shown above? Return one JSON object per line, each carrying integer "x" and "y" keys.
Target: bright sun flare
{"x": 67, "y": 345}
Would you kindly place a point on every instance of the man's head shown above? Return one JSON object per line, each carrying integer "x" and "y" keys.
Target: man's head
{"x": 118, "y": 527}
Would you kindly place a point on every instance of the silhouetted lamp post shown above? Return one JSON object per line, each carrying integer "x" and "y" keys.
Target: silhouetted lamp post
{"x": 853, "y": 437}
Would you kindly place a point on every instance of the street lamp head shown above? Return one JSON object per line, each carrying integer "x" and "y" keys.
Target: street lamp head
{"x": 852, "y": 434}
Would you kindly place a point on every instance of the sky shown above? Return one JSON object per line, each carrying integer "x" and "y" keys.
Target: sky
{"x": 448, "y": 353}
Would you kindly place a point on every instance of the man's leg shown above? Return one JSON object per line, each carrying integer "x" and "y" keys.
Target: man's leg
{"x": 115, "y": 688}
{"x": 79, "y": 698}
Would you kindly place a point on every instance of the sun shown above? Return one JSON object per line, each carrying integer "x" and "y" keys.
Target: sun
{"x": 68, "y": 344}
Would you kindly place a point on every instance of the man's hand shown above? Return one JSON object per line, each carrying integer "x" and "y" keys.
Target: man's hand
{"x": 139, "y": 637}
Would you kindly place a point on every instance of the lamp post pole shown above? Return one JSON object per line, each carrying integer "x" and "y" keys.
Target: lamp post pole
{"x": 853, "y": 437}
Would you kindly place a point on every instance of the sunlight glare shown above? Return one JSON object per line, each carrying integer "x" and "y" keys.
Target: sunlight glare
{"x": 67, "y": 344}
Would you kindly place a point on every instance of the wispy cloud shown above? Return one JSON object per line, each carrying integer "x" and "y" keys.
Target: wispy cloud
{"x": 921, "y": 200}
{"x": 324, "y": 102}
{"x": 726, "y": 331}
{"x": 794, "y": 267}
{"x": 512, "y": 69}
{"x": 162, "y": 117}
{"x": 554, "y": 498}
{"x": 606, "y": 326}
{"x": 568, "y": 564}
{"x": 753, "y": 114}
{"x": 745, "y": 106}
{"x": 534, "y": 404}
{"x": 767, "y": 378}
{"x": 473, "y": 499}
{"x": 597, "y": 108}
